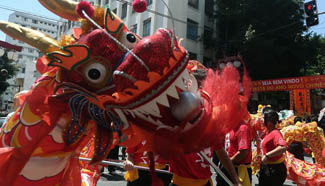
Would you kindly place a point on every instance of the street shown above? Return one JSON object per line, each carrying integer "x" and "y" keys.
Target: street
{"x": 116, "y": 179}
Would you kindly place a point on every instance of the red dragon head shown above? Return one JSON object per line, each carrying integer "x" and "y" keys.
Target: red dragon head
{"x": 159, "y": 98}
{"x": 149, "y": 92}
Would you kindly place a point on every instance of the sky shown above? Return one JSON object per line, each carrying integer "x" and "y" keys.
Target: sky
{"x": 33, "y": 6}
{"x": 30, "y": 6}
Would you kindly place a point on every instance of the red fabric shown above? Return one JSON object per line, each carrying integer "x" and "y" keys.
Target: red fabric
{"x": 155, "y": 180}
{"x": 10, "y": 46}
{"x": 228, "y": 108}
{"x": 139, "y": 5}
{"x": 271, "y": 141}
{"x": 155, "y": 51}
{"x": 42, "y": 65}
{"x": 191, "y": 165}
{"x": 239, "y": 139}
{"x": 141, "y": 157}
{"x": 85, "y": 6}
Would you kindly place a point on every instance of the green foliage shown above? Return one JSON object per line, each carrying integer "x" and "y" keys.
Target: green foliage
{"x": 7, "y": 71}
{"x": 269, "y": 34}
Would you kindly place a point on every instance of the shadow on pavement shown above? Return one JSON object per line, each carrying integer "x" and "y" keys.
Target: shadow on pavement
{"x": 112, "y": 176}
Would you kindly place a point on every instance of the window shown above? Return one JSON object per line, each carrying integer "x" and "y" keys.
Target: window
{"x": 23, "y": 70}
{"x": 192, "y": 30}
{"x": 194, "y": 3}
{"x": 106, "y": 2}
{"x": 114, "y": 11}
{"x": 34, "y": 21}
{"x": 17, "y": 16}
{"x": 124, "y": 10}
{"x": 193, "y": 56}
{"x": 146, "y": 27}
{"x": 25, "y": 19}
{"x": 149, "y": 2}
{"x": 30, "y": 50}
{"x": 99, "y": 2}
{"x": 134, "y": 28}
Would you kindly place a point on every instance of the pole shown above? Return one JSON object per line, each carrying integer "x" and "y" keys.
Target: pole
{"x": 217, "y": 169}
{"x": 117, "y": 164}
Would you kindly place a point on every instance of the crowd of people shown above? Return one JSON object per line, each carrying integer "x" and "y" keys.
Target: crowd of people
{"x": 233, "y": 156}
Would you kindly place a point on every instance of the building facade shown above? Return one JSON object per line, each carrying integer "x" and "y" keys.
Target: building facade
{"x": 191, "y": 19}
{"x": 26, "y": 62}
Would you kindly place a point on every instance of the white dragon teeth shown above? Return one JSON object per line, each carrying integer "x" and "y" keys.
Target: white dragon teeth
{"x": 150, "y": 111}
{"x": 159, "y": 123}
{"x": 188, "y": 126}
{"x": 152, "y": 108}
{"x": 151, "y": 120}
{"x": 163, "y": 100}
{"x": 172, "y": 91}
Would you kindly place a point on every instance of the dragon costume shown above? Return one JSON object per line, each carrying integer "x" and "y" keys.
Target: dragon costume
{"x": 301, "y": 172}
{"x": 105, "y": 86}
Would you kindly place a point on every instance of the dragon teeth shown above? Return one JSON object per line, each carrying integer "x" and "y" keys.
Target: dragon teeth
{"x": 163, "y": 100}
{"x": 172, "y": 91}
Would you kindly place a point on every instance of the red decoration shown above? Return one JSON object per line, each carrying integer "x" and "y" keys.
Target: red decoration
{"x": 139, "y": 5}
{"x": 85, "y": 6}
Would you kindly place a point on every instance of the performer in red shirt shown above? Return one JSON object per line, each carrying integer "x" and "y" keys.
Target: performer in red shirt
{"x": 135, "y": 177}
{"x": 193, "y": 170}
{"x": 273, "y": 171}
{"x": 238, "y": 146}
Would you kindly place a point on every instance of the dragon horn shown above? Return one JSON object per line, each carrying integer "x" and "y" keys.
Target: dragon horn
{"x": 34, "y": 38}
{"x": 63, "y": 8}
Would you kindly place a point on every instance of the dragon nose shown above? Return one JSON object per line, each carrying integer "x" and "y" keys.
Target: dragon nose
{"x": 187, "y": 107}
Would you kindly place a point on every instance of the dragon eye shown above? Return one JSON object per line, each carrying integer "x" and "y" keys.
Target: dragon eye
{"x": 129, "y": 39}
{"x": 95, "y": 72}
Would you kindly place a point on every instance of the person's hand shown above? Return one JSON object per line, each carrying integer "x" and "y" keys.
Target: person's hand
{"x": 264, "y": 159}
{"x": 128, "y": 165}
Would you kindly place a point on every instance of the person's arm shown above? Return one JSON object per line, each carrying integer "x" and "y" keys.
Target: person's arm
{"x": 224, "y": 159}
{"x": 275, "y": 152}
{"x": 239, "y": 156}
{"x": 129, "y": 162}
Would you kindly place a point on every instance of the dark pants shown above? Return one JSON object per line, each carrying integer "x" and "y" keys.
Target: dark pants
{"x": 222, "y": 182}
{"x": 208, "y": 184}
{"x": 145, "y": 179}
{"x": 272, "y": 175}
{"x": 296, "y": 148}
{"x": 113, "y": 154}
